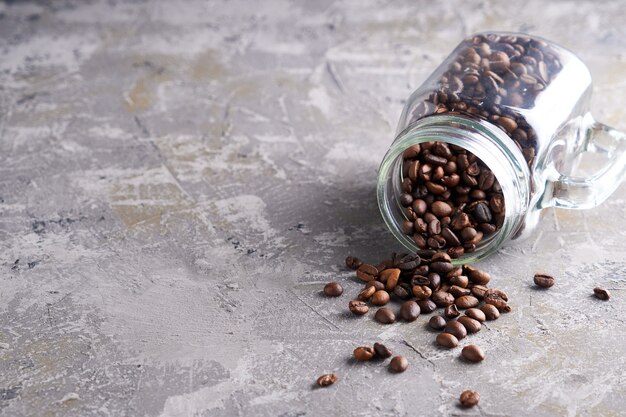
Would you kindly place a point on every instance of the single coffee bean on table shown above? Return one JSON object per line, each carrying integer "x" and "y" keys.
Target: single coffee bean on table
{"x": 544, "y": 280}
{"x": 384, "y": 315}
{"x": 601, "y": 293}
{"x": 473, "y": 353}
{"x": 398, "y": 364}
{"x": 333, "y": 289}
{"x": 358, "y": 307}
{"x": 326, "y": 380}
{"x": 382, "y": 351}
{"x": 447, "y": 340}
{"x": 409, "y": 311}
{"x": 469, "y": 398}
{"x": 437, "y": 322}
{"x": 364, "y": 353}
{"x": 353, "y": 263}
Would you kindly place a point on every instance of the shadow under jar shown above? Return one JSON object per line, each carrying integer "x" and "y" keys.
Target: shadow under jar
{"x": 498, "y": 132}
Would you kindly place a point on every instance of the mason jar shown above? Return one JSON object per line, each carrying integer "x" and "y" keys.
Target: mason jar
{"x": 519, "y": 107}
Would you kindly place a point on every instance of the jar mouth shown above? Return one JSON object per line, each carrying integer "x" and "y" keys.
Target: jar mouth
{"x": 496, "y": 150}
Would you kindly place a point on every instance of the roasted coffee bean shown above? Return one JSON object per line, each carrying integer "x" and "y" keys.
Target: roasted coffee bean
{"x": 479, "y": 291}
{"x": 419, "y": 207}
{"x": 402, "y": 291}
{"x": 476, "y": 314}
{"x": 468, "y": 234}
{"x": 455, "y": 328}
{"x": 333, "y": 289}
{"x": 406, "y": 199}
{"x": 497, "y": 203}
{"x": 491, "y": 312}
{"x": 469, "y": 398}
{"x": 380, "y": 298}
{"x": 408, "y": 227}
{"x": 482, "y": 214}
{"x": 358, "y": 307}
{"x": 471, "y": 325}
{"x": 456, "y": 252}
{"x": 376, "y": 284}
{"x": 390, "y": 277}
{"x": 398, "y": 364}
{"x": 457, "y": 291}
{"x": 447, "y": 340}
{"x": 477, "y": 276}
{"x": 473, "y": 353}
{"x": 382, "y": 351}
{"x": 450, "y": 237}
{"x": 442, "y": 298}
{"x": 441, "y": 267}
{"x": 409, "y": 311}
{"x": 366, "y": 293}
{"x": 466, "y": 301}
{"x": 498, "y": 302}
{"x": 422, "y": 292}
{"x": 544, "y": 280}
{"x": 434, "y": 281}
{"x": 601, "y": 293}
{"x": 460, "y": 281}
{"x": 366, "y": 272}
{"x": 409, "y": 262}
{"x": 326, "y": 380}
{"x": 353, "y": 263}
{"x": 497, "y": 292}
{"x": 384, "y": 315}
{"x": 434, "y": 227}
{"x": 437, "y": 322}
{"x": 426, "y": 306}
{"x": 451, "y": 312}
{"x": 363, "y": 353}
{"x": 441, "y": 209}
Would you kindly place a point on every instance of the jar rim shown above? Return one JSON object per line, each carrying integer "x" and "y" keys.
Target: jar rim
{"x": 494, "y": 147}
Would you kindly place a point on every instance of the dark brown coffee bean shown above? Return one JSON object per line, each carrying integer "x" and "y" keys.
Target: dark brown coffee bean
{"x": 366, "y": 272}
{"x": 384, "y": 315}
{"x": 460, "y": 221}
{"x": 409, "y": 262}
{"x": 447, "y": 340}
{"x": 333, "y": 289}
{"x": 481, "y": 213}
{"x": 473, "y": 353}
{"x": 380, "y": 298}
{"x": 476, "y": 314}
{"x": 406, "y": 199}
{"x": 435, "y": 160}
{"x": 366, "y": 293}
{"x": 353, "y": 263}
{"x": 479, "y": 291}
{"x": 441, "y": 267}
{"x": 468, "y": 234}
{"x": 442, "y": 298}
{"x": 409, "y": 311}
{"x": 458, "y": 292}
{"x": 363, "y": 353}
{"x": 507, "y": 123}
{"x": 455, "y": 328}
{"x": 451, "y": 312}
{"x": 402, "y": 291}
{"x": 469, "y": 398}
{"x": 460, "y": 281}
{"x": 437, "y": 322}
{"x": 497, "y": 292}
{"x": 601, "y": 293}
{"x": 491, "y": 312}
{"x": 376, "y": 284}
{"x": 498, "y": 302}
{"x": 382, "y": 351}
{"x": 477, "y": 276}
{"x": 544, "y": 280}
{"x": 451, "y": 238}
{"x": 420, "y": 207}
{"x": 412, "y": 151}
{"x": 426, "y": 306}
{"x": 436, "y": 188}
{"x": 471, "y": 325}
{"x": 441, "y": 209}
{"x": 358, "y": 307}
{"x": 407, "y": 227}
{"x": 398, "y": 364}
{"x": 456, "y": 252}
{"x": 434, "y": 227}
{"x": 326, "y": 380}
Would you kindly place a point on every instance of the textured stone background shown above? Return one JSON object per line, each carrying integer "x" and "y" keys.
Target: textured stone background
{"x": 178, "y": 181}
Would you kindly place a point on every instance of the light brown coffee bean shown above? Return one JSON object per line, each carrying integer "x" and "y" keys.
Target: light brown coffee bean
{"x": 471, "y": 325}
{"x": 543, "y": 280}
{"x": 390, "y": 277}
{"x": 491, "y": 312}
{"x": 422, "y": 292}
{"x": 447, "y": 340}
{"x": 466, "y": 301}
{"x": 363, "y": 353}
{"x": 380, "y": 298}
{"x": 473, "y": 353}
{"x": 358, "y": 307}
{"x": 326, "y": 380}
{"x": 476, "y": 314}
{"x": 366, "y": 293}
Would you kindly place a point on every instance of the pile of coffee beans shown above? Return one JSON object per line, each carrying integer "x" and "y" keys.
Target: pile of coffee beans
{"x": 451, "y": 198}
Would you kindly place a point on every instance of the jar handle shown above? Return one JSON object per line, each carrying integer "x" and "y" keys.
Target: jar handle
{"x": 574, "y": 192}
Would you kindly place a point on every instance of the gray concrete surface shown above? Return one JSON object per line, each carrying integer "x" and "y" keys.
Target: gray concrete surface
{"x": 178, "y": 181}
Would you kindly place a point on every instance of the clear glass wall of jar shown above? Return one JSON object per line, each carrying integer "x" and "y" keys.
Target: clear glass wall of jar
{"x": 521, "y": 105}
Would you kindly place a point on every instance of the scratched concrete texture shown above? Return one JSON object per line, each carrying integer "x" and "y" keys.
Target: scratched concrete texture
{"x": 179, "y": 180}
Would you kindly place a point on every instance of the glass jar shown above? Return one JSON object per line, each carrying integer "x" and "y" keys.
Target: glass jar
{"x": 520, "y": 104}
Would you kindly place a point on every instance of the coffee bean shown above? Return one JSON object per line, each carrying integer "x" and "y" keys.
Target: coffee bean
{"x": 491, "y": 312}
{"x": 366, "y": 293}
{"x": 390, "y": 277}
{"x": 380, "y": 298}
{"x": 426, "y": 306}
{"x": 497, "y": 292}
{"x": 366, "y": 272}
{"x": 384, "y": 315}
{"x": 477, "y": 276}
{"x": 409, "y": 311}
{"x": 382, "y": 351}
{"x": 479, "y": 291}
{"x": 471, "y": 325}
{"x": 441, "y": 209}
{"x": 353, "y": 263}
{"x": 507, "y": 123}
{"x": 473, "y": 353}
{"x": 457, "y": 291}
{"x": 601, "y": 293}
{"x": 419, "y": 207}
{"x": 476, "y": 314}
{"x": 398, "y": 364}
{"x": 333, "y": 289}
{"x": 469, "y": 398}
{"x": 451, "y": 238}
{"x": 460, "y": 281}
{"x": 358, "y": 307}
{"x": 442, "y": 298}
{"x": 497, "y": 302}
{"x": 447, "y": 340}
{"x": 437, "y": 322}
{"x": 482, "y": 214}
{"x": 408, "y": 227}
{"x": 422, "y": 292}
{"x": 363, "y": 353}
{"x": 466, "y": 301}
{"x": 406, "y": 199}
{"x": 434, "y": 227}
{"x": 402, "y": 291}
{"x": 544, "y": 280}
{"x": 455, "y": 328}
{"x": 326, "y": 380}
{"x": 451, "y": 312}
{"x": 497, "y": 203}
{"x": 376, "y": 284}
{"x": 434, "y": 281}
{"x": 441, "y": 267}
{"x": 409, "y": 262}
